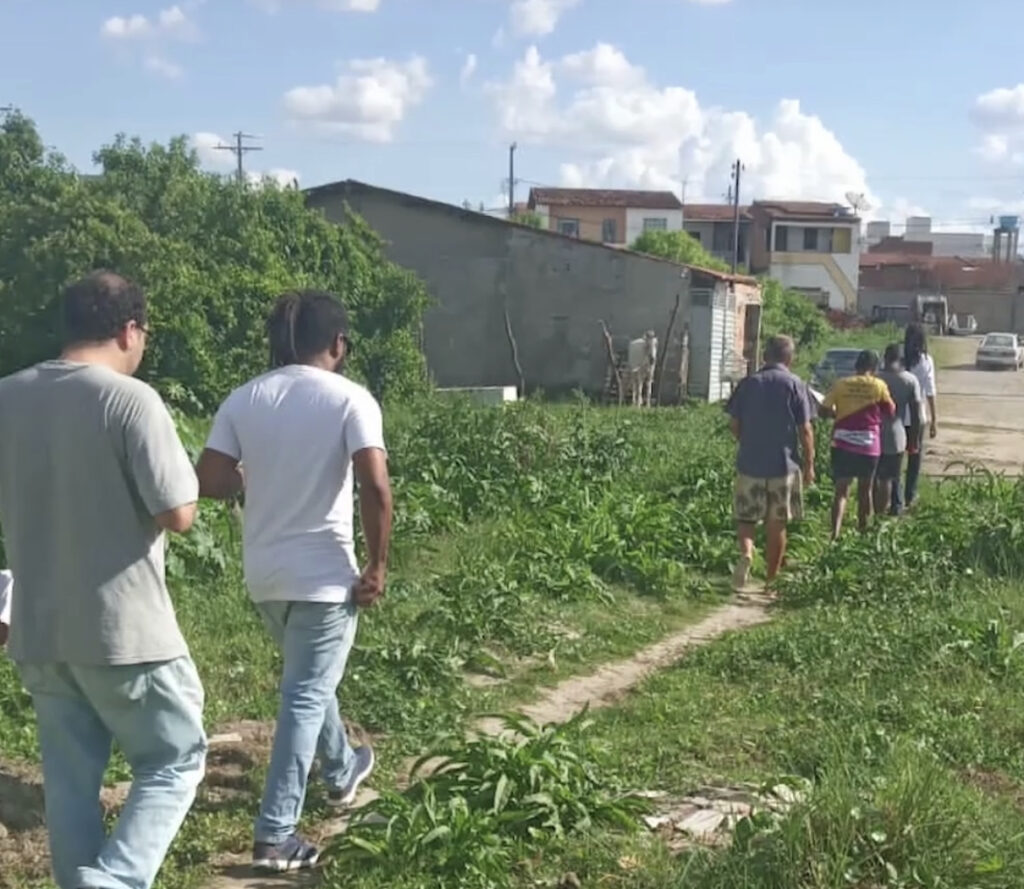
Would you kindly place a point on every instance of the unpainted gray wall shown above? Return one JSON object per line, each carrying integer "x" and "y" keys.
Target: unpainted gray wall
{"x": 556, "y": 291}
{"x": 995, "y": 310}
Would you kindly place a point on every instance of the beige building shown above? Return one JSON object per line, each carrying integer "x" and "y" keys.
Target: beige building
{"x": 616, "y": 217}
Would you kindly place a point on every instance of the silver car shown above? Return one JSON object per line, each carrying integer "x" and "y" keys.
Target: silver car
{"x": 1000, "y": 350}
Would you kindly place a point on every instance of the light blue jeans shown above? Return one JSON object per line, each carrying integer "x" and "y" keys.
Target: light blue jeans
{"x": 316, "y": 638}
{"x": 155, "y": 714}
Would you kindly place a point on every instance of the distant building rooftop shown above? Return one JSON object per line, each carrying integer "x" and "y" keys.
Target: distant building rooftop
{"x": 713, "y": 213}
{"x": 604, "y": 197}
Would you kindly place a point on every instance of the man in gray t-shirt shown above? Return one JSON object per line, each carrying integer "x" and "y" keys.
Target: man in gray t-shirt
{"x": 92, "y": 474}
{"x": 897, "y": 439}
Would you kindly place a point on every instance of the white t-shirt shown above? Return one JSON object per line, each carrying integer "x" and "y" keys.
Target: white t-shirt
{"x": 924, "y": 370}
{"x": 6, "y": 589}
{"x": 294, "y": 430}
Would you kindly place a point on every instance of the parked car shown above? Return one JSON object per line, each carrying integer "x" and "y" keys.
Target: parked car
{"x": 1000, "y": 350}
{"x": 834, "y": 365}
{"x": 967, "y": 327}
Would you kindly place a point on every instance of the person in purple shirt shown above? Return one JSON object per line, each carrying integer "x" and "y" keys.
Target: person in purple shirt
{"x": 771, "y": 417}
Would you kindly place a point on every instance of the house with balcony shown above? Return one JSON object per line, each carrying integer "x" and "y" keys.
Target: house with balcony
{"x": 808, "y": 246}
{"x": 616, "y": 217}
{"x": 713, "y": 225}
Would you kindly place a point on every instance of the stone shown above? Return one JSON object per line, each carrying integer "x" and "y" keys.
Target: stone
{"x": 226, "y": 738}
{"x": 701, "y": 823}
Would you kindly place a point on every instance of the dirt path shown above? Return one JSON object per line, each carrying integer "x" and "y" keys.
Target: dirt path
{"x": 598, "y": 689}
{"x": 981, "y": 413}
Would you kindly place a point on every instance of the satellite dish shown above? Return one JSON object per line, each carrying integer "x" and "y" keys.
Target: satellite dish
{"x": 857, "y": 200}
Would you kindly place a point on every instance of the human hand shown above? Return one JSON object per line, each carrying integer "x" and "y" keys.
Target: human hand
{"x": 808, "y": 475}
{"x": 370, "y": 586}
{"x": 933, "y": 430}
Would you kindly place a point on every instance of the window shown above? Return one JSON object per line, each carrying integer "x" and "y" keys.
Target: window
{"x": 609, "y": 232}
{"x": 570, "y": 227}
{"x": 655, "y": 224}
{"x": 811, "y": 239}
{"x": 782, "y": 238}
{"x": 695, "y": 234}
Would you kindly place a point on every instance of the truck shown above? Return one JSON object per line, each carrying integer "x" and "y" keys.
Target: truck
{"x": 932, "y": 311}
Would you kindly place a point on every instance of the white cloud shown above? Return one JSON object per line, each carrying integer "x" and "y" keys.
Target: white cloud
{"x": 205, "y": 144}
{"x": 1003, "y": 107}
{"x": 1000, "y": 115}
{"x": 618, "y": 127}
{"x": 536, "y": 18}
{"x": 368, "y": 99}
{"x": 468, "y": 69}
{"x": 159, "y": 65}
{"x": 282, "y": 177}
{"x": 334, "y": 5}
{"x": 172, "y": 23}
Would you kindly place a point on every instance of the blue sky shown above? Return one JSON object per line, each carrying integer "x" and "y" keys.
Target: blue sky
{"x": 918, "y": 105}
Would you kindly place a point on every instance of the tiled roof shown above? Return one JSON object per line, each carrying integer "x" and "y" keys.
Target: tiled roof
{"x": 604, "y": 197}
{"x": 806, "y": 209}
{"x": 885, "y": 270}
{"x": 712, "y": 212}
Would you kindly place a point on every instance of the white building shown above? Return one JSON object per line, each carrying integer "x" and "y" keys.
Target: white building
{"x": 918, "y": 230}
{"x": 808, "y": 246}
{"x": 616, "y": 217}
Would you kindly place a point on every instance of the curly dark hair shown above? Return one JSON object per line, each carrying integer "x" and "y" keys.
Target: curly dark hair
{"x": 304, "y": 323}
{"x": 915, "y": 344}
{"x": 96, "y": 308}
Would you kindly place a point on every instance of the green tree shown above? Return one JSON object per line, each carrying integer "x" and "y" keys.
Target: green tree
{"x": 679, "y": 247}
{"x": 212, "y": 257}
{"x": 788, "y": 312}
{"x": 529, "y": 218}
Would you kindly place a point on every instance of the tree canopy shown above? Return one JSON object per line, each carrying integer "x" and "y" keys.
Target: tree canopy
{"x": 678, "y": 246}
{"x": 211, "y": 255}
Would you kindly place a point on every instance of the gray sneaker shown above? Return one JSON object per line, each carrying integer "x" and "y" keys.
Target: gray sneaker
{"x": 362, "y": 767}
{"x": 291, "y": 855}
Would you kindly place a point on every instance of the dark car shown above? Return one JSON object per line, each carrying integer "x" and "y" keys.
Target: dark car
{"x": 834, "y": 365}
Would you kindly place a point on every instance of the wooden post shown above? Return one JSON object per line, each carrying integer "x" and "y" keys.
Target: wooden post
{"x": 684, "y": 362}
{"x": 664, "y": 351}
{"x": 515, "y": 355}
{"x": 612, "y": 362}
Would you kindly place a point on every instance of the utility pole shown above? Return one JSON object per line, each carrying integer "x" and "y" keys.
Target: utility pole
{"x": 512, "y": 180}
{"x": 735, "y": 188}
{"x": 239, "y": 150}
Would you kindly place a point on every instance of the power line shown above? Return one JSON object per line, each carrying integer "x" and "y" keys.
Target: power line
{"x": 239, "y": 150}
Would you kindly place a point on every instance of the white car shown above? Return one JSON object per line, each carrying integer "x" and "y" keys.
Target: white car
{"x": 1000, "y": 350}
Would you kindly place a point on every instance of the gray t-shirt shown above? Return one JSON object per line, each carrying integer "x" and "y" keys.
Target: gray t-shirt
{"x": 87, "y": 458}
{"x": 771, "y": 406}
{"x": 906, "y": 394}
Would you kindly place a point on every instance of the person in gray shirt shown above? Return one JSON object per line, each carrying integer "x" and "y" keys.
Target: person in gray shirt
{"x": 92, "y": 474}
{"x": 897, "y": 439}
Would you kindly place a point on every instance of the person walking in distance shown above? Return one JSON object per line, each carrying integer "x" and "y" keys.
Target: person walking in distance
{"x": 917, "y": 360}
{"x": 859, "y": 404}
{"x": 92, "y": 474}
{"x": 770, "y": 415}
{"x": 897, "y": 439}
{"x": 294, "y": 438}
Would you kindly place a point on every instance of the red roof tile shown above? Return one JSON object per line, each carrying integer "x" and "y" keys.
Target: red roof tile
{"x": 712, "y": 212}
{"x": 604, "y": 197}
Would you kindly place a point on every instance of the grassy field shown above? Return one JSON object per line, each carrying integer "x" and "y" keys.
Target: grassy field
{"x": 536, "y": 541}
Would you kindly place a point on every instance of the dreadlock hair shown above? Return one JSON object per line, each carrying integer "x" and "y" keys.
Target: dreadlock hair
{"x": 304, "y": 323}
{"x": 915, "y": 344}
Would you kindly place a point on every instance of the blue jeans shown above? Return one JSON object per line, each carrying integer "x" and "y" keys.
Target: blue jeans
{"x": 155, "y": 714}
{"x": 316, "y": 638}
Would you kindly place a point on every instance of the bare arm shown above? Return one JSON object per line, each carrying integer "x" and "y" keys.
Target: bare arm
{"x": 807, "y": 450}
{"x": 178, "y": 520}
{"x": 375, "y": 509}
{"x": 734, "y": 428}
{"x": 220, "y": 476}
{"x": 933, "y": 415}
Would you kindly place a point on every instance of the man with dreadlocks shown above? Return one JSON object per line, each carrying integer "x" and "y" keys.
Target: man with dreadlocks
{"x": 294, "y": 438}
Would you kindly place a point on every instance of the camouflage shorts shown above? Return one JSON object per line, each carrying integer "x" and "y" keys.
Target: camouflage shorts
{"x": 769, "y": 499}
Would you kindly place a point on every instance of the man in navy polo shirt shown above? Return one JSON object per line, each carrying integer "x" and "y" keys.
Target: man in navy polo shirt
{"x": 771, "y": 417}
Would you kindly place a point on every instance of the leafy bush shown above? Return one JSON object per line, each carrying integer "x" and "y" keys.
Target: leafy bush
{"x": 480, "y": 800}
{"x": 211, "y": 256}
{"x": 678, "y": 246}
